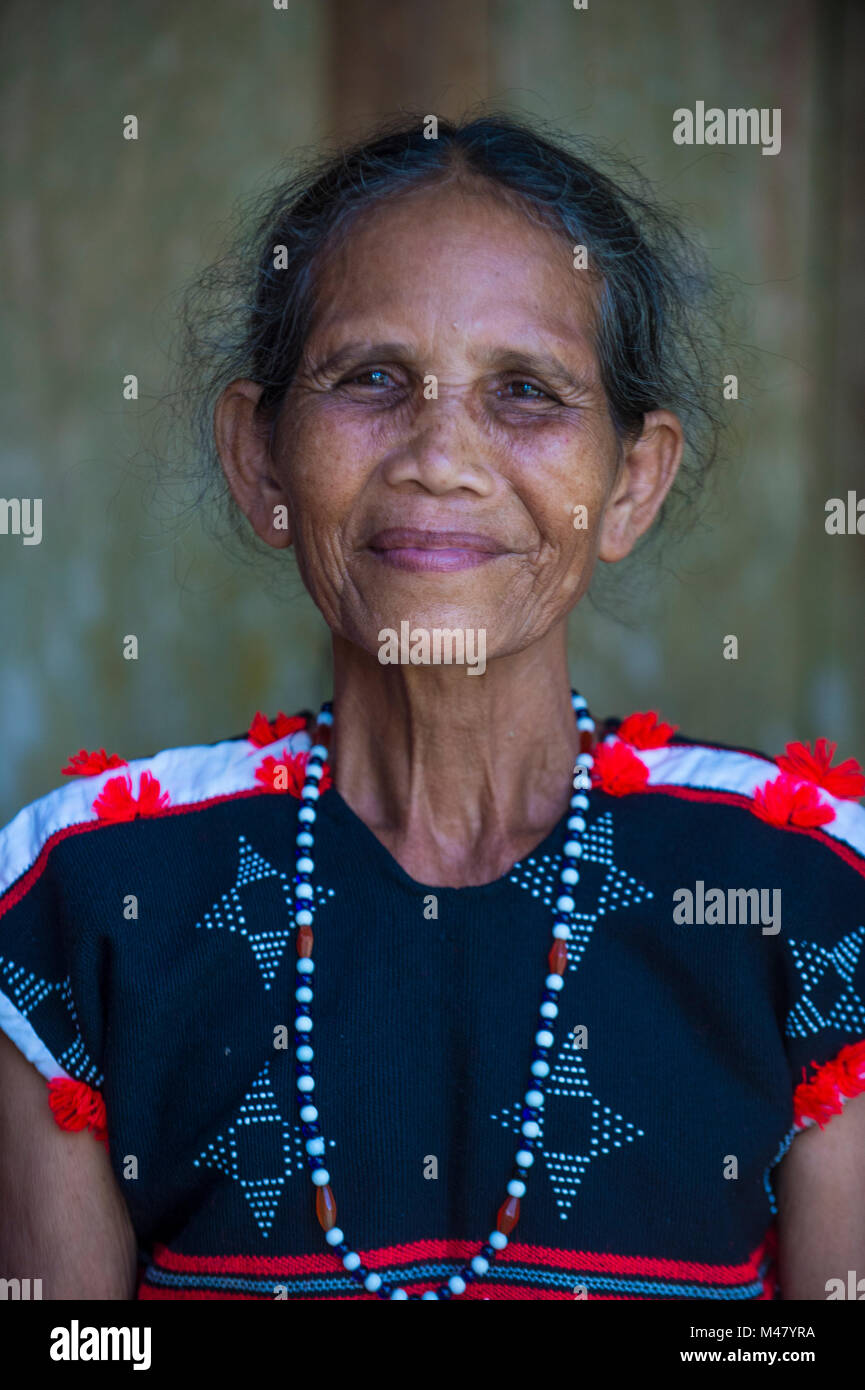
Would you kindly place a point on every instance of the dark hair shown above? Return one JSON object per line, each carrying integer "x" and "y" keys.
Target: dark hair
{"x": 658, "y": 333}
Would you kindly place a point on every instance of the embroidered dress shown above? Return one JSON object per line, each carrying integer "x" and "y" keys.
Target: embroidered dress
{"x": 147, "y": 963}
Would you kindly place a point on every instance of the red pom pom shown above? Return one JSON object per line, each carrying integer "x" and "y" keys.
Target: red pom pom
{"x": 288, "y": 773}
{"x": 76, "y": 1106}
{"x": 116, "y": 803}
{"x": 84, "y": 764}
{"x": 617, "y": 770}
{"x": 845, "y": 781}
{"x": 263, "y": 731}
{"x": 786, "y": 801}
{"x": 821, "y": 1097}
{"x": 645, "y": 730}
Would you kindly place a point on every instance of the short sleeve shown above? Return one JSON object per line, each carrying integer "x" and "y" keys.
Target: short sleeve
{"x": 824, "y": 1027}
{"x": 46, "y": 994}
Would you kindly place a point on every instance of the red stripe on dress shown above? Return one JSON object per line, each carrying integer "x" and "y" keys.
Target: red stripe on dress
{"x": 566, "y": 1260}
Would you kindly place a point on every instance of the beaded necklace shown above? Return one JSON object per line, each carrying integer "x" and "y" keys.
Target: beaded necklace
{"x": 509, "y": 1211}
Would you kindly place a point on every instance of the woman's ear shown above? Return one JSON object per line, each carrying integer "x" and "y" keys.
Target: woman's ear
{"x": 649, "y": 468}
{"x": 243, "y": 444}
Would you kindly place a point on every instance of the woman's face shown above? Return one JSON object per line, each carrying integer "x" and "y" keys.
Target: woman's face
{"x": 445, "y": 427}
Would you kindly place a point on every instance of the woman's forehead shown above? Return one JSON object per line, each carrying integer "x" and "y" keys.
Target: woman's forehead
{"x": 446, "y": 262}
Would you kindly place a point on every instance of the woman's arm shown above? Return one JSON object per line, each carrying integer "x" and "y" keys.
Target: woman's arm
{"x": 63, "y": 1218}
{"x": 821, "y": 1206}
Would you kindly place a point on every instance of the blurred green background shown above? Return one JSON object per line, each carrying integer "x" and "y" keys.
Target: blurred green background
{"x": 100, "y": 234}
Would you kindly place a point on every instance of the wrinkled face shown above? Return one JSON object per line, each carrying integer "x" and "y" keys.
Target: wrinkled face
{"x": 447, "y": 420}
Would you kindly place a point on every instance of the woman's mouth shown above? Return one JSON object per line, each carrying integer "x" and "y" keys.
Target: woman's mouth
{"x": 407, "y": 548}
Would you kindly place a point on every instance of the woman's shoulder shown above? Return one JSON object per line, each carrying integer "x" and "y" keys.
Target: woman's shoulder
{"x": 103, "y": 789}
{"x": 806, "y": 789}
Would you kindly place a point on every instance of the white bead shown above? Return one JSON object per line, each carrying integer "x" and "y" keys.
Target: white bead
{"x": 314, "y": 1147}
{"x": 310, "y": 792}
{"x": 304, "y": 1053}
{"x": 308, "y": 1113}
{"x": 303, "y": 994}
{"x": 531, "y": 1129}
{"x": 305, "y": 1083}
{"x": 587, "y": 722}
{"x": 582, "y": 801}
{"x": 498, "y": 1240}
{"x": 372, "y": 1282}
{"x": 303, "y": 1024}
{"x": 398, "y": 1293}
{"x": 334, "y": 1236}
{"x": 456, "y": 1284}
{"x": 585, "y": 760}
{"x": 544, "y": 1038}
{"x": 534, "y": 1099}
{"x": 525, "y": 1159}
{"x": 305, "y": 966}
{"x": 540, "y": 1068}
{"x": 554, "y": 982}
{"x": 576, "y": 823}
{"x": 516, "y": 1188}
{"x": 573, "y": 849}
{"x": 314, "y": 768}
{"x": 325, "y": 716}
{"x": 562, "y": 932}
{"x": 306, "y": 813}
{"x": 303, "y": 917}
{"x": 303, "y": 890}
{"x": 351, "y": 1260}
{"x": 480, "y": 1265}
{"x": 318, "y": 750}
{"x": 565, "y": 903}
{"x": 305, "y": 865}
{"x": 578, "y": 702}
{"x": 549, "y": 1010}
{"x": 304, "y": 839}
{"x": 428, "y": 1297}
{"x": 321, "y": 1177}
{"x": 570, "y": 877}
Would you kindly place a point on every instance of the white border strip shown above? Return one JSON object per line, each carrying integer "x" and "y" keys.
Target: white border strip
{"x": 27, "y": 1040}
{"x": 189, "y": 775}
{"x": 722, "y": 770}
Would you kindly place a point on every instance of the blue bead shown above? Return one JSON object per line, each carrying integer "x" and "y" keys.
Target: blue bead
{"x": 488, "y": 1252}
{"x": 550, "y": 996}
{"x": 301, "y": 1010}
{"x": 444, "y": 1292}
{"x": 540, "y": 1054}
{"x": 360, "y": 1273}
{"x": 467, "y": 1274}
{"x": 311, "y": 1131}
{"x": 302, "y": 1069}
{"x": 385, "y": 1291}
{"x": 343, "y": 1249}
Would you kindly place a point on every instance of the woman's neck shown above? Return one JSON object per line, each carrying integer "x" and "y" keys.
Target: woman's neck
{"x": 459, "y": 776}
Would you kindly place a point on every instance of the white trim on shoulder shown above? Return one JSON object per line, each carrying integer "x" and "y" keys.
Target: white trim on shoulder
{"x": 725, "y": 770}
{"x": 26, "y": 1039}
{"x": 189, "y": 775}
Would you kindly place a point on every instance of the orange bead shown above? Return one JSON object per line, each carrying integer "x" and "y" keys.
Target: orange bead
{"x": 558, "y": 957}
{"x": 509, "y": 1215}
{"x": 587, "y": 740}
{"x": 304, "y": 941}
{"x": 325, "y": 1208}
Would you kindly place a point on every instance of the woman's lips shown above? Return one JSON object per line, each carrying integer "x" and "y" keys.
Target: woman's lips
{"x": 409, "y": 549}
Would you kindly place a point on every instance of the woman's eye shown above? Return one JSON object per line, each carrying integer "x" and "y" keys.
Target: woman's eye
{"x": 525, "y": 391}
{"x": 373, "y": 376}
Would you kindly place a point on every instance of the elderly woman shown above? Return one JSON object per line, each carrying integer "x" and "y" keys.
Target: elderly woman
{"x": 447, "y": 992}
